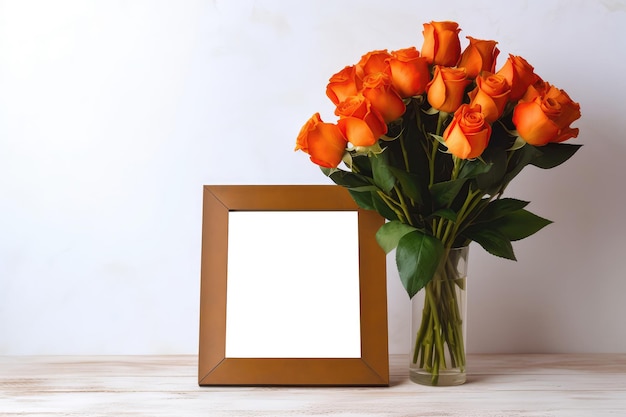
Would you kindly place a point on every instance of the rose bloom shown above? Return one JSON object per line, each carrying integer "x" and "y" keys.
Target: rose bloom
{"x": 446, "y": 90}
{"x": 519, "y": 74}
{"x": 409, "y": 72}
{"x": 468, "y": 134}
{"x": 537, "y": 89}
{"x": 343, "y": 85}
{"x": 480, "y": 55}
{"x": 359, "y": 122}
{"x": 546, "y": 118}
{"x": 441, "y": 43}
{"x": 371, "y": 62}
{"x": 383, "y": 97}
{"x": 324, "y": 142}
{"x": 492, "y": 93}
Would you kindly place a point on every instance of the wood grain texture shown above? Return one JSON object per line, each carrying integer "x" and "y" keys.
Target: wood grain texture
{"x": 498, "y": 385}
{"x": 215, "y": 368}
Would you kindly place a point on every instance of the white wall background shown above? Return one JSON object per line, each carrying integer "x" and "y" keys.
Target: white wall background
{"x": 113, "y": 114}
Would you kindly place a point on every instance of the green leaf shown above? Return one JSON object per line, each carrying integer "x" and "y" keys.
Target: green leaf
{"x": 409, "y": 183}
{"x": 493, "y": 241}
{"x": 386, "y": 138}
{"x": 363, "y": 188}
{"x": 438, "y": 139}
{"x": 445, "y": 192}
{"x": 417, "y": 257}
{"x": 372, "y": 201}
{"x": 445, "y": 213}
{"x": 495, "y": 157}
{"x": 363, "y": 199}
{"x": 382, "y": 208}
{"x": 362, "y": 165}
{"x": 519, "y": 224}
{"x": 346, "y": 159}
{"x": 383, "y": 176}
{"x": 473, "y": 168}
{"x": 554, "y": 154}
{"x": 519, "y": 142}
{"x": 520, "y": 158}
{"x": 390, "y": 234}
{"x": 500, "y": 208}
{"x": 346, "y": 179}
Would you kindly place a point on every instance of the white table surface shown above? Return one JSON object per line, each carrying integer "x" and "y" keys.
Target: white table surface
{"x": 498, "y": 385}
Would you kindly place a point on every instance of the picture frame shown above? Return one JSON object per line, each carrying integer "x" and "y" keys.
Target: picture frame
{"x": 244, "y": 213}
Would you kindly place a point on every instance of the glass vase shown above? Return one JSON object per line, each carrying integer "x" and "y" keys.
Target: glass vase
{"x": 438, "y": 323}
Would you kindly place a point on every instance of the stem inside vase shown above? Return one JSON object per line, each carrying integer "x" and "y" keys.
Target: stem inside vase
{"x": 438, "y": 325}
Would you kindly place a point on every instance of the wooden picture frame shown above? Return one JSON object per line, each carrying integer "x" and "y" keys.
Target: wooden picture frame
{"x": 370, "y": 368}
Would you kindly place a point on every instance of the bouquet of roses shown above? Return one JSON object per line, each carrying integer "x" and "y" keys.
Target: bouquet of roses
{"x": 431, "y": 140}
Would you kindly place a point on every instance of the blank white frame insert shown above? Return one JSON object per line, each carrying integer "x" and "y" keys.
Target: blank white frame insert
{"x": 286, "y": 299}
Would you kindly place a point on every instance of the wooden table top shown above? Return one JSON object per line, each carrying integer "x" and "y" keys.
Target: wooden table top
{"x": 537, "y": 385}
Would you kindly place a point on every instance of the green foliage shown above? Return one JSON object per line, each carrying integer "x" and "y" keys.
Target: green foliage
{"x": 435, "y": 201}
{"x": 382, "y": 175}
{"x": 444, "y": 193}
{"x": 499, "y": 208}
{"x": 491, "y": 180}
{"x": 504, "y": 221}
{"x": 554, "y": 154}
{"x": 418, "y": 177}
{"x": 518, "y": 160}
{"x": 348, "y": 179}
{"x": 363, "y": 199}
{"x": 444, "y": 213}
{"x": 409, "y": 184}
{"x": 390, "y": 234}
{"x": 383, "y": 207}
{"x": 519, "y": 224}
{"x": 474, "y": 168}
{"x": 492, "y": 241}
{"x": 417, "y": 256}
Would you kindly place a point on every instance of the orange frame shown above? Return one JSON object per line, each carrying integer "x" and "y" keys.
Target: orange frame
{"x": 371, "y": 369}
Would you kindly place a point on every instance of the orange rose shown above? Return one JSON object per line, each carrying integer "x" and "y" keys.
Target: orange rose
{"x": 447, "y": 88}
{"x": 359, "y": 122}
{"x": 371, "y": 62}
{"x": 518, "y": 74}
{"x": 538, "y": 88}
{"x": 383, "y": 97}
{"x": 441, "y": 43}
{"x": 409, "y": 72}
{"x": 546, "y": 118}
{"x": 492, "y": 93}
{"x": 468, "y": 134}
{"x": 480, "y": 55}
{"x": 343, "y": 85}
{"x": 324, "y": 142}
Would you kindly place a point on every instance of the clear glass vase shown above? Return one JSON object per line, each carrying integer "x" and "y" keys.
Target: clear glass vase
{"x": 438, "y": 322}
